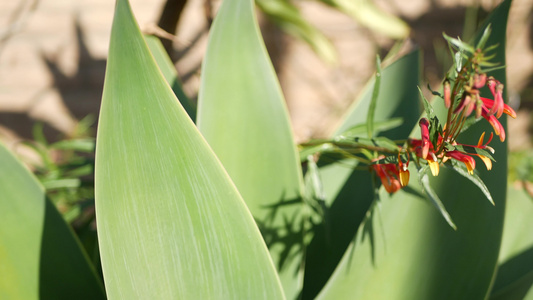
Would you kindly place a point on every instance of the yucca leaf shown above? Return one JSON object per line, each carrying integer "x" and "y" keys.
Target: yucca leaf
{"x": 243, "y": 117}
{"x": 39, "y": 256}
{"x": 412, "y": 251}
{"x": 171, "y": 224}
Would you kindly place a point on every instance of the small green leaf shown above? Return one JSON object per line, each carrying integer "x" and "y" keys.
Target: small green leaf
{"x": 492, "y": 69}
{"x": 373, "y": 101}
{"x": 461, "y": 169}
{"x": 360, "y": 129}
{"x": 458, "y": 44}
{"x": 430, "y": 113}
{"x": 484, "y": 37}
{"x": 61, "y": 183}
{"x": 315, "y": 149}
{"x": 381, "y": 142}
{"x": 424, "y": 181}
{"x": 474, "y": 150}
{"x": 83, "y": 145}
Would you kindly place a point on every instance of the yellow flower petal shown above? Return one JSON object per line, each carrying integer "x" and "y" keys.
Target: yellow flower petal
{"x": 481, "y": 138}
{"x": 404, "y": 177}
{"x": 434, "y": 166}
{"x": 486, "y": 161}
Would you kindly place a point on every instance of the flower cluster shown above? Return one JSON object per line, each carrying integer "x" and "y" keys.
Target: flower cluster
{"x": 437, "y": 145}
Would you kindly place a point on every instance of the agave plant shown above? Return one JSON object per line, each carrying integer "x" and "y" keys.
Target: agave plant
{"x": 213, "y": 203}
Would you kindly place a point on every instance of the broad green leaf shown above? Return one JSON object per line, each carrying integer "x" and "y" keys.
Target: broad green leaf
{"x": 243, "y": 117}
{"x": 170, "y": 73}
{"x": 410, "y": 252}
{"x": 348, "y": 192}
{"x": 369, "y": 15}
{"x": 515, "y": 270}
{"x": 39, "y": 256}
{"x": 171, "y": 224}
{"x": 287, "y": 16}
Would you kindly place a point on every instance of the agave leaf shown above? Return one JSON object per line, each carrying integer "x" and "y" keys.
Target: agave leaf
{"x": 514, "y": 279}
{"x": 171, "y": 224}
{"x": 41, "y": 258}
{"x": 243, "y": 117}
{"x": 170, "y": 73}
{"x": 348, "y": 192}
{"x": 413, "y": 251}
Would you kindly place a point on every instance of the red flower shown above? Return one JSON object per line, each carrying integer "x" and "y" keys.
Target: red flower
{"x": 498, "y": 128}
{"x": 496, "y": 125}
{"x": 496, "y": 88}
{"x": 426, "y": 143}
{"x": 480, "y": 145}
{"x": 389, "y": 175}
{"x": 467, "y": 160}
{"x": 403, "y": 170}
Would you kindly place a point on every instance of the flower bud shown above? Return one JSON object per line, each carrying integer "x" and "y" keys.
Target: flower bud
{"x": 447, "y": 94}
{"x": 480, "y": 80}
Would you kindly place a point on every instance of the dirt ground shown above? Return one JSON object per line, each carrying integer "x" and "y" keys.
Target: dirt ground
{"x": 52, "y": 60}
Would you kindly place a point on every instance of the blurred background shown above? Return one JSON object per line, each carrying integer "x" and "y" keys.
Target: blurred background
{"x": 53, "y": 56}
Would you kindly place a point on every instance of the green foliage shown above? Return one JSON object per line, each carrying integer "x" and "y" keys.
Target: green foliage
{"x": 41, "y": 258}
{"x": 66, "y": 171}
{"x": 189, "y": 234}
{"x": 243, "y": 117}
{"x": 228, "y": 209}
{"x": 416, "y": 253}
